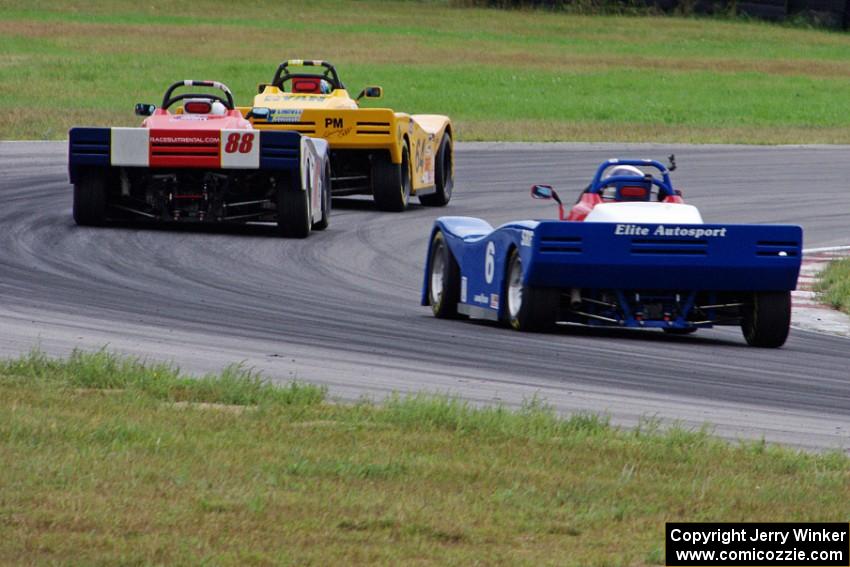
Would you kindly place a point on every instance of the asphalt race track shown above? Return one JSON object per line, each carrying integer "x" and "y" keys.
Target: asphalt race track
{"x": 342, "y": 307}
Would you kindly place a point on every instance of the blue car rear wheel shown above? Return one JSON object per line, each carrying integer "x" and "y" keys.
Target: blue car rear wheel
{"x": 528, "y": 308}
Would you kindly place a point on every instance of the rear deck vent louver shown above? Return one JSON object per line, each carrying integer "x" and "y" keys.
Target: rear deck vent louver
{"x": 560, "y": 244}
{"x": 374, "y": 128}
{"x": 90, "y": 148}
{"x": 668, "y": 247}
{"x": 302, "y": 127}
{"x": 777, "y": 248}
{"x": 193, "y": 149}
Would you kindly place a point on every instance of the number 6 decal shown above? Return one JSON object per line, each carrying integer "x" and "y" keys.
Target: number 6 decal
{"x": 490, "y": 262}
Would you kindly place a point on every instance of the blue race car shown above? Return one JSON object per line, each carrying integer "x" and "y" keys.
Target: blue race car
{"x": 630, "y": 253}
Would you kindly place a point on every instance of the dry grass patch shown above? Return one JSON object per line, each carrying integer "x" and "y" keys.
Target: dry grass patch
{"x": 834, "y": 285}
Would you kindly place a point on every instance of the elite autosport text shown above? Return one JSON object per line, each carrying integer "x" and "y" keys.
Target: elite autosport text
{"x": 661, "y": 230}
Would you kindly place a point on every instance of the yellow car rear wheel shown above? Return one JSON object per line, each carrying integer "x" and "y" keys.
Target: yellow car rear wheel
{"x": 391, "y": 182}
{"x": 443, "y": 176}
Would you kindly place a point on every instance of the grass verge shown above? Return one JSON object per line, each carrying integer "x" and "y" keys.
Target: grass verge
{"x": 109, "y": 460}
{"x": 834, "y": 284}
{"x": 511, "y": 75}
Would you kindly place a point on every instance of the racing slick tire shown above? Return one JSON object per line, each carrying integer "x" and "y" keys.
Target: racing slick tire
{"x": 90, "y": 199}
{"x": 391, "y": 182}
{"x": 443, "y": 176}
{"x": 293, "y": 212}
{"x": 443, "y": 279}
{"x": 326, "y": 200}
{"x": 528, "y": 308}
{"x": 766, "y": 321}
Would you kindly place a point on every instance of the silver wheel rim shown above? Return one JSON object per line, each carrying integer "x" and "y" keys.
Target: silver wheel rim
{"x": 515, "y": 288}
{"x": 405, "y": 178}
{"x": 438, "y": 268}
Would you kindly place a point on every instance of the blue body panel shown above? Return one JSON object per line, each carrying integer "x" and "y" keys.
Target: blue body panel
{"x": 87, "y": 147}
{"x": 621, "y": 256}
{"x": 280, "y": 150}
{"x": 90, "y": 147}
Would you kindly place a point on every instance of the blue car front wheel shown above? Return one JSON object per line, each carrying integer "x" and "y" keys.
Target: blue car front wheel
{"x": 443, "y": 279}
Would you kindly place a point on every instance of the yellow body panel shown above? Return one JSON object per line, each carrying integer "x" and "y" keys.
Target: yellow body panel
{"x": 337, "y": 118}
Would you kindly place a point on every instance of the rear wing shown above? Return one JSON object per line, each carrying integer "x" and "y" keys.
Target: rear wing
{"x": 198, "y": 149}
{"x": 710, "y": 257}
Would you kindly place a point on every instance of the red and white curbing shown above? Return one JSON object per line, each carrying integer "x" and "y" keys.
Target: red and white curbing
{"x": 807, "y": 312}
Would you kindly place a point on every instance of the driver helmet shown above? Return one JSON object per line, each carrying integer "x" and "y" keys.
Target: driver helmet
{"x": 325, "y": 87}
{"x": 218, "y": 109}
{"x": 610, "y": 191}
{"x": 623, "y": 170}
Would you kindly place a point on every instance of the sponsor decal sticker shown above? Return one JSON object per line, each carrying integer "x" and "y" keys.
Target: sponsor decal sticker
{"x": 302, "y": 97}
{"x": 184, "y": 117}
{"x": 183, "y": 140}
{"x": 494, "y": 301}
{"x": 342, "y": 133}
{"x": 285, "y": 115}
{"x": 527, "y": 238}
{"x": 661, "y": 230}
{"x": 480, "y": 298}
{"x": 463, "y": 283}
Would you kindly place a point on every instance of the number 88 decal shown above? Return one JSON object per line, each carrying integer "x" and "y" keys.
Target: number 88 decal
{"x": 234, "y": 145}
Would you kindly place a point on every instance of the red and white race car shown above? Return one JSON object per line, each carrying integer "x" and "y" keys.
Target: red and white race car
{"x": 202, "y": 162}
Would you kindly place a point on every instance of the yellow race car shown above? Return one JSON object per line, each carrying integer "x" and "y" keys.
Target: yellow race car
{"x": 374, "y": 151}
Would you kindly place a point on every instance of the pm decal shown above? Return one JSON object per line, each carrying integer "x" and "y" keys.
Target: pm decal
{"x": 333, "y": 123}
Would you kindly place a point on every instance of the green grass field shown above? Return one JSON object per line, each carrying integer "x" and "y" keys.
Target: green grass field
{"x": 518, "y": 75}
{"x": 109, "y": 461}
{"x": 834, "y": 285}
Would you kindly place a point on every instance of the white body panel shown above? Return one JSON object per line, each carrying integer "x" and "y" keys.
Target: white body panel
{"x": 641, "y": 212}
{"x": 246, "y": 150}
{"x": 314, "y": 154}
{"x": 130, "y": 147}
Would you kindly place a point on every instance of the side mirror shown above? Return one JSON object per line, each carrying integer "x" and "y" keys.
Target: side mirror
{"x": 371, "y": 92}
{"x": 544, "y": 192}
{"x": 261, "y": 113}
{"x": 143, "y": 109}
